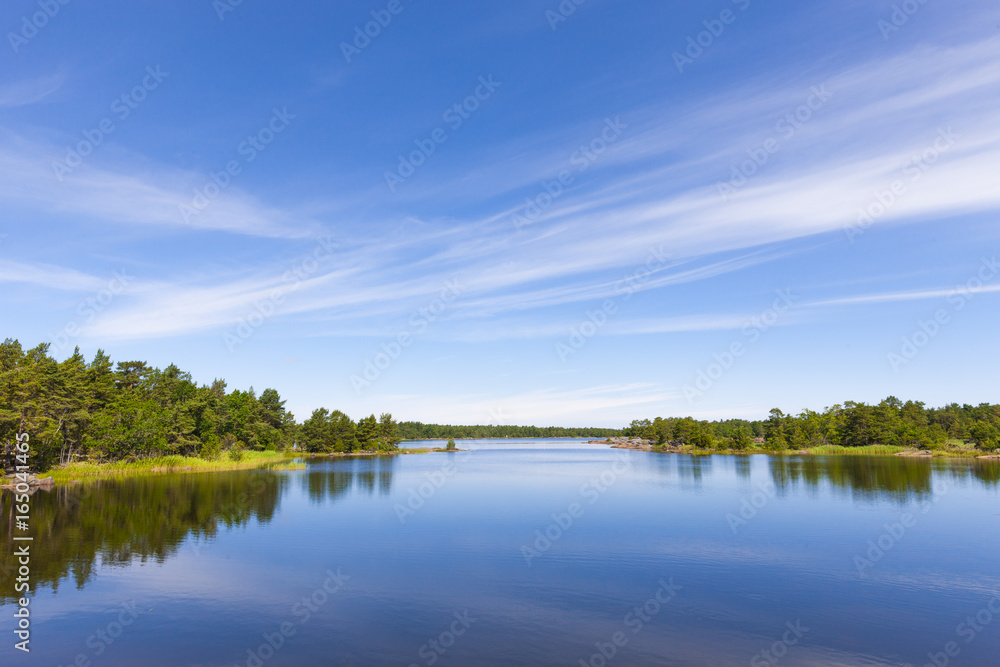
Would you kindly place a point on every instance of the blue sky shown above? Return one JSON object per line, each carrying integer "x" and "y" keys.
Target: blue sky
{"x": 534, "y": 215}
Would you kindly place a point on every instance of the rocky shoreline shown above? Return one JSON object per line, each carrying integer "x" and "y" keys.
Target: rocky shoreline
{"x": 642, "y": 445}
{"x": 32, "y": 482}
{"x": 625, "y": 443}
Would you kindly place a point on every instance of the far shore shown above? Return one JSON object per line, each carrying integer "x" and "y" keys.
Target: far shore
{"x": 823, "y": 450}
{"x": 398, "y": 452}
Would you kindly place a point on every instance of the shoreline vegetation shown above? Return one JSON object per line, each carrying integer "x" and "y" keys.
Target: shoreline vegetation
{"x": 821, "y": 450}
{"x": 98, "y": 418}
{"x": 889, "y": 427}
{"x": 84, "y": 470}
{"x": 91, "y": 419}
{"x": 84, "y": 419}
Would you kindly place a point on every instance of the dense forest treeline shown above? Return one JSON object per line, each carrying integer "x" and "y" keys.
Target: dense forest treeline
{"x": 419, "y": 431}
{"x": 890, "y": 422}
{"x": 100, "y": 411}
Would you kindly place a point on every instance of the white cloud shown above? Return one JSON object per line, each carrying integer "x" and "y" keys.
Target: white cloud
{"x": 46, "y": 275}
{"x": 29, "y": 91}
{"x": 130, "y": 195}
{"x": 911, "y": 295}
{"x": 855, "y": 146}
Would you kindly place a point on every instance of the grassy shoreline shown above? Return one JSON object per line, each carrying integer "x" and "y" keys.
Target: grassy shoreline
{"x": 75, "y": 472}
{"x": 81, "y": 471}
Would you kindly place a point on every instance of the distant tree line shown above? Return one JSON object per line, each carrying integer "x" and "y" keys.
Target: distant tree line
{"x": 102, "y": 411}
{"x": 890, "y": 422}
{"x": 419, "y": 431}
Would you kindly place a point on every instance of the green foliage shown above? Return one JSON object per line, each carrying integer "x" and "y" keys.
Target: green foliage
{"x": 866, "y": 450}
{"x": 367, "y": 434}
{"x": 451, "y": 446}
{"x": 889, "y": 425}
{"x": 986, "y": 436}
{"x": 236, "y": 451}
{"x": 742, "y": 440}
{"x": 701, "y": 436}
{"x": 776, "y": 443}
{"x": 211, "y": 449}
{"x": 101, "y": 411}
{"x": 387, "y": 433}
{"x": 325, "y": 432}
{"x": 175, "y": 463}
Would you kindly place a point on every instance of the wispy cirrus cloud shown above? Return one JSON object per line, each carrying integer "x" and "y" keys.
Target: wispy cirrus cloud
{"x": 907, "y": 295}
{"x": 129, "y": 195}
{"x": 49, "y": 276}
{"x": 655, "y": 189}
{"x": 29, "y": 91}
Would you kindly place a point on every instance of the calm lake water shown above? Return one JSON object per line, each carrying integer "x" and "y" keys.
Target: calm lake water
{"x": 549, "y": 552}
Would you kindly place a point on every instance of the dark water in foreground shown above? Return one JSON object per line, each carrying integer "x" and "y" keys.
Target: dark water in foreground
{"x": 653, "y": 559}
